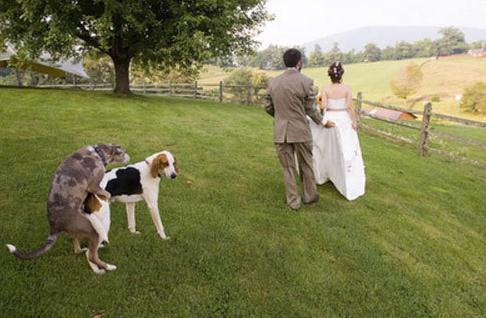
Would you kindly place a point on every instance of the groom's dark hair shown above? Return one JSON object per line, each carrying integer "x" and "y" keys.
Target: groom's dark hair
{"x": 292, "y": 57}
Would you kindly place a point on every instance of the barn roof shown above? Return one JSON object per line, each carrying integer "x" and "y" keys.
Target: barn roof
{"x": 46, "y": 65}
{"x": 388, "y": 114}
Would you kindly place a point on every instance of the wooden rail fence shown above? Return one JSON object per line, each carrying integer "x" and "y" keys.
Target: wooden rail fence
{"x": 222, "y": 92}
{"x": 247, "y": 94}
{"x": 426, "y": 133}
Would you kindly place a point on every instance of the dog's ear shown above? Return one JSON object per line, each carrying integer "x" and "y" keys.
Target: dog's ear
{"x": 176, "y": 165}
{"x": 159, "y": 163}
{"x": 106, "y": 148}
{"x": 91, "y": 204}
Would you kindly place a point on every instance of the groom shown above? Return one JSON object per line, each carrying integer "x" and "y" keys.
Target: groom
{"x": 289, "y": 98}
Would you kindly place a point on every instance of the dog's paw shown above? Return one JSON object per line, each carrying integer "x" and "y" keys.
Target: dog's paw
{"x": 93, "y": 266}
{"x": 164, "y": 237}
{"x": 104, "y": 195}
{"x": 134, "y": 232}
{"x": 110, "y": 267}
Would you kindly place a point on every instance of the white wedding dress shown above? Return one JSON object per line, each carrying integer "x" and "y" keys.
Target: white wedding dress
{"x": 337, "y": 153}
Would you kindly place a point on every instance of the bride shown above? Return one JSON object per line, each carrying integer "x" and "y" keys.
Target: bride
{"x": 336, "y": 151}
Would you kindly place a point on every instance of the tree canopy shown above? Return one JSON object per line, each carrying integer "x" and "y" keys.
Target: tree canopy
{"x": 158, "y": 34}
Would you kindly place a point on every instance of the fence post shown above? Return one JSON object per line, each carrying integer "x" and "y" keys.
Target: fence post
{"x": 170, "y": 88}
{"x": 195, "y": 89}
{"x": 248, "y": 95}
{"x": 143, "y": 86}
{"x": 424, "y": 133}
{"x": 220, "y": 91}
{"x": 359, "y": 105}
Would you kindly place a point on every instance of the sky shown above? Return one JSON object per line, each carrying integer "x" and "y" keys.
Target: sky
{"x": 300, "y": 21}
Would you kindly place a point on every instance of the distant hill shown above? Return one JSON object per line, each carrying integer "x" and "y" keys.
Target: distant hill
{"x": 386, "y": 35}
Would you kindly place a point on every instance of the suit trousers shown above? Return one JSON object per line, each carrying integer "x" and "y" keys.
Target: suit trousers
{"x": 287, "y": 153}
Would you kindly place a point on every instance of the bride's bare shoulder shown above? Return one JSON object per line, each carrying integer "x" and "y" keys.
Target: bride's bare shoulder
{"x": 326, "y": 88}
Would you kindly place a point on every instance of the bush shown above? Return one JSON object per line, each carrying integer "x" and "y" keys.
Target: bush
{"x": 474, "y": 98}
{"x": 241, "y": 79}
{"x": 435, "y": 99}
{"x": 407, "y": 82}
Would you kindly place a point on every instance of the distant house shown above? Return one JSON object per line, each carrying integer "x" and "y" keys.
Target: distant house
{"x": 388, "y": 114}
{"x": 477, "y": 52}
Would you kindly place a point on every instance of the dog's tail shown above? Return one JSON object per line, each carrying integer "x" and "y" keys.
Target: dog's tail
{"x": 38, "y": 252}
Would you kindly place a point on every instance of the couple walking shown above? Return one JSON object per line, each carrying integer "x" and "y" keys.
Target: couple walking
{"x": 323, "y": 143}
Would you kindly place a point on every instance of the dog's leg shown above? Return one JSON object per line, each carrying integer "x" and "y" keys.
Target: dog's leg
{"x": 99, "y": 191}
{"x": 103, "y": 194}
{"x": 154, "y": 212}
{"x": 92, "y": 255}
{"x": 131, "y": 217}
{"x": 77, "y": 247}
{"x": 97, "y": 265}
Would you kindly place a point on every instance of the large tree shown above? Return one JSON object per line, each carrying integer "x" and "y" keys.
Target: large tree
{"x": 404, "y": 50}
{"x": 452, "y": 42}
{"x": 152, "y": 33}
{"x": 372, "y": 53}
{"x": 334, "y": 55}
{"x": 316, "y": 58}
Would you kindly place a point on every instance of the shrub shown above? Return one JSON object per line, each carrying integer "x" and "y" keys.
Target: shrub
{"x": 435, "y": 99}
{"x": 407, "y": 82}
{"x": 241, "y": 79}
{"x": 474, "y": 98}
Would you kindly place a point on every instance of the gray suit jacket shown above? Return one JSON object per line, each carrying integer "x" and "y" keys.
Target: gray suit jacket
{"x": 290, "y": 96}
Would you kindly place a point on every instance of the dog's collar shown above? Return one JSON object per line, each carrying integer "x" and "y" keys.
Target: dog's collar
{"x": 100, "y": 154}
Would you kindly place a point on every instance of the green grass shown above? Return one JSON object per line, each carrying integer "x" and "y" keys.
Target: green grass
{"x": 413, "y": 246}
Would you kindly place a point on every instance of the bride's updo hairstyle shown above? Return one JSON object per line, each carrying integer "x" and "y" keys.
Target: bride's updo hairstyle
{"x": 336, "y": 72}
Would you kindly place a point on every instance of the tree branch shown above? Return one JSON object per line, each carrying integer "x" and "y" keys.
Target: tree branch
{"x": 88, "y": 39}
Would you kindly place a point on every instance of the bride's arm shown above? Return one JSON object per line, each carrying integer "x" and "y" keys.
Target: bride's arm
{"x": 323, "y": 104}
{"x": 349, "y": 104}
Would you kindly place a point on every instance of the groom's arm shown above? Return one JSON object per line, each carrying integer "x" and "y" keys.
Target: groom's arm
{"x": 310, "y": 104}
{"x": 269, "y": 107}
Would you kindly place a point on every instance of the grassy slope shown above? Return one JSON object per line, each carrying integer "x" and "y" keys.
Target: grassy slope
{"x": 412, "y": 247}
{"x": 445, "y": 77}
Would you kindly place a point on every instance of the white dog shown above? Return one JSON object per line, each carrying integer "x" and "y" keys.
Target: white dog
{"x": 137, "y": 182}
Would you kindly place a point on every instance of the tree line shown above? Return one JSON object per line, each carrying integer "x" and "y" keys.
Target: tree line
{"x": 452, "y": 42}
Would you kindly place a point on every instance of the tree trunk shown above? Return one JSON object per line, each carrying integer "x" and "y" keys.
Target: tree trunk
{"x": 122, "y": 76}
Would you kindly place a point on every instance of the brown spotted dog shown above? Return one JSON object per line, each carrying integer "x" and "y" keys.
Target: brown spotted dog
{"x": 76, "y": 177}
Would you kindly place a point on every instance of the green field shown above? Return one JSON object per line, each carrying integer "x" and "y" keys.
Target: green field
{"x": 413, "y": 246}
{"x": 445, "y": 78}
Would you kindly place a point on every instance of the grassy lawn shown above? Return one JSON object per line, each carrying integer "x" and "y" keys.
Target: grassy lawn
{"x": 413, "y": 246}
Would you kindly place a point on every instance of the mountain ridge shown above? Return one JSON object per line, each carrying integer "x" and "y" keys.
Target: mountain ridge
{"x": 385, "y": 35}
